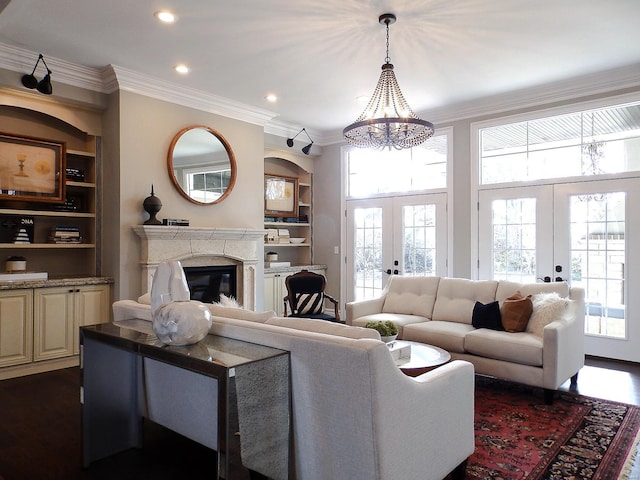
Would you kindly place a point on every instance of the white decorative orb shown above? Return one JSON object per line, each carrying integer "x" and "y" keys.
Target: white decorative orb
{"x": 181, "y": 323}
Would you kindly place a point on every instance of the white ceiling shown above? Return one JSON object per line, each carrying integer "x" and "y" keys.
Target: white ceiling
{"x": 318, "y": 56}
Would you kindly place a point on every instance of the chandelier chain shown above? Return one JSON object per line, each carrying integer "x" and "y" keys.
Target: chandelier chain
{"x": 387, "y": 58}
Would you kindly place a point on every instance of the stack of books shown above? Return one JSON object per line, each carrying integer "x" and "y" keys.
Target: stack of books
{"x": 65, "y": 234}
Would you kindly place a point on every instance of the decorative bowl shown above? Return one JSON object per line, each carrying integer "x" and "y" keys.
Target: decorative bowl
{"x": 390, "y": 338}
{"x": 297, "y": 240}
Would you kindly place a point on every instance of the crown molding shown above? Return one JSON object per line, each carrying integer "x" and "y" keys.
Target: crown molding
{"x": 111, "y": 78}
{"x": 135, "y": 82}
{"x": 598, "y": 83}
{"x": 21, "y": 60}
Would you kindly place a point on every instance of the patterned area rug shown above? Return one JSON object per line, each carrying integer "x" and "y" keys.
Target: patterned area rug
{"x": 518, "y": 436}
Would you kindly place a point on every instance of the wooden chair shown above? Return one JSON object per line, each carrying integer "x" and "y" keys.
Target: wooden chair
{"x": 306, "y": 297}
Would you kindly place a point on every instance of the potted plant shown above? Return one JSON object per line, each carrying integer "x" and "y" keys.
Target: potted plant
{"x": 387, "y": 329}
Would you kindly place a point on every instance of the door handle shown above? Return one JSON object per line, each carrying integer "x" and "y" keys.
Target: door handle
{"x": 389, "y": 272}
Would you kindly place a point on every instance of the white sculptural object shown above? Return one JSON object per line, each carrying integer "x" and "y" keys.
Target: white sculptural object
{"x": 177, "y": 320}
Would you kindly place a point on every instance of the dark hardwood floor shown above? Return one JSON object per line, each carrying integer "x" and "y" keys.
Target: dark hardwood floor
{"x": 40, "y": 435}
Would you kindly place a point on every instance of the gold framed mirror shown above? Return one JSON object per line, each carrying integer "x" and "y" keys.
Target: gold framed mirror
{"x": 201, "y": 165}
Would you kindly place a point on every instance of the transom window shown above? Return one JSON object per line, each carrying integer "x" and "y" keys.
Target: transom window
{"x": 594, "y": 142}
{"x": 371, "y": 172}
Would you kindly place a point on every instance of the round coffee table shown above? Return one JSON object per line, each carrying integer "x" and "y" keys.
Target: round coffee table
{"x": 423, "y": 358}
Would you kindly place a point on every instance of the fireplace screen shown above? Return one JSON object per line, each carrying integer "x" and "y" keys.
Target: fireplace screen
{"x": 207, "y": 283}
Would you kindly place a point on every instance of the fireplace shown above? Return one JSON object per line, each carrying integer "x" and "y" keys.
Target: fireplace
{"x": 207, "y": 283}
{"x": 232, "y": 248}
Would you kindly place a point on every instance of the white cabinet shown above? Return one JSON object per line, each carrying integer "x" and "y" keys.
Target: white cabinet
{"x": 274, "y": 292}
{"x": 39, "y": 327}
{"x": 16, "y": 327}
{"x": 53, "y": 323}
{"x": 58, "y": 314}
{"x": 275, "y": 288}
{"x": 92, "y": 304}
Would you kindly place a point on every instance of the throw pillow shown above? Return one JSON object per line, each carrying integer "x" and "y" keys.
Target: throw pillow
{"x": 309, "y": 303}
{"x": 487, "y": 316}
{"x": 515, "y": 312}
{"x": 547, "y": 307}
{"x": 228, "y": 301}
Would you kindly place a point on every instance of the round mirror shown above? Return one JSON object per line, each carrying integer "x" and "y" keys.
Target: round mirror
{"x": 201, "y": 165}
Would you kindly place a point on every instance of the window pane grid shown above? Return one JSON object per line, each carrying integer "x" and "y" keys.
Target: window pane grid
{"x": 595, "y": 142}
{"x": 419, "y": 240}
{"x": 598, "y": 260}
{"x": 513, "y": 239}
{"x": 367, "y": 252}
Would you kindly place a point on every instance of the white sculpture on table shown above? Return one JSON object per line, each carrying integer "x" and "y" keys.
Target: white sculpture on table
{"x": 177, "y": 320}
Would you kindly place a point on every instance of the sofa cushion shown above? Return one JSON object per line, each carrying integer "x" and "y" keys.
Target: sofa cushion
{"x": 411, "y": 295}
{"x": 447, "y": 335}
{"x": 523, "y": 348}
{"x": 322, "y": 326}
{"x": 457, "y": 297}
{"x": 239, "y": 313}
{"x": 487, "y": 316}
{"x": 506, "y": 288}
{"x": 399, "y": 319}
{"x": 547, "y": 307}
{"x": 516, "y": 311}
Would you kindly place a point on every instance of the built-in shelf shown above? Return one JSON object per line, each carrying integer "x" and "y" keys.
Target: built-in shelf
{"x": 39, "y": 246}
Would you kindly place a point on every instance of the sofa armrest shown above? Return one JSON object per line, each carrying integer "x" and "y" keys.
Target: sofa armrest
{"x": 563, "y": 344}
{"x": 125, "y": 309}
{"x": 363, "y": 307}
{"x": 441, "y": 401}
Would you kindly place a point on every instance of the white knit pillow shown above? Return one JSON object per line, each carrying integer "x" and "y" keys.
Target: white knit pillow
{"x": 547, "y": 307}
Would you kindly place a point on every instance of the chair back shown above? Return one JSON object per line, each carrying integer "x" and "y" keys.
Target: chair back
{"x": 305, "y": 293}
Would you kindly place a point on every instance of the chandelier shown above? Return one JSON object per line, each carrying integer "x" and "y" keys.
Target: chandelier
{"x": 388, "y": 121}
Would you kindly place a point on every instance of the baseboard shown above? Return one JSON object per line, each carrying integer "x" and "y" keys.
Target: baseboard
{"x": 39, "y": 367}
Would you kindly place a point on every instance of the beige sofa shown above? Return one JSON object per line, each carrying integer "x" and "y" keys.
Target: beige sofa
{"x": 439, "y": 311}
{"x": 354, "y": 412}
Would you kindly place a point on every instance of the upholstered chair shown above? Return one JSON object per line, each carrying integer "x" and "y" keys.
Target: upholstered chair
{"x": 306, "y": 297}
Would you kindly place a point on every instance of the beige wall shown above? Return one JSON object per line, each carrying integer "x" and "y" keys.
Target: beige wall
{"x": 146, "y": 127}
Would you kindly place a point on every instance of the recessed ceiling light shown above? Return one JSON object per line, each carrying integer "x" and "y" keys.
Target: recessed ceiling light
{"x": 271, "y": 97}
{"x": 183, "y": 69}
{"x": 165, "y": 16}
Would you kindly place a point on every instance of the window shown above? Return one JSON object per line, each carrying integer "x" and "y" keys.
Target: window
{"x": 207, "y": 186}
{"x": 371, "y": 172}
{"x": 594, "y": 142}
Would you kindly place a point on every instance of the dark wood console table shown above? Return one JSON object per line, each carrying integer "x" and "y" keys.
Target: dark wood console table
{"x": 128, "y": 375}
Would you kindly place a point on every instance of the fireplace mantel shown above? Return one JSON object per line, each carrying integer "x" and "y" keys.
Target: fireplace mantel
{"x": 202, "y": 246}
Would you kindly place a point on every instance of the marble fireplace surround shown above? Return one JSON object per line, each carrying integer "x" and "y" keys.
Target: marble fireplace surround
{"x": 202, "y": 246}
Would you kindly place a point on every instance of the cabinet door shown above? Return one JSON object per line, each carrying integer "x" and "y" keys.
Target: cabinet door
{"x": 16, "y": 327}
{"x": 92, "y": 304}
{"x": 274, "y": 292}
{"x": 53, "y": 323}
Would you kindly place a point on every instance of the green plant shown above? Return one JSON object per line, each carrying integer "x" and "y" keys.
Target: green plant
{"x": 385, "y": 328}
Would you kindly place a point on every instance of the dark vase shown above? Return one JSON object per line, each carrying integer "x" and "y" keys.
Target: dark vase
{"x": 152, "y": 206}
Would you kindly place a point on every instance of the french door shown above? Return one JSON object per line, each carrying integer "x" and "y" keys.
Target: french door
{"x": 404, "y": 235}
{"x": 581, "y": 232}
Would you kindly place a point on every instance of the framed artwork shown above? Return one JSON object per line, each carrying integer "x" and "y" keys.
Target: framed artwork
{"x": 280, "y": 196}
{"x": 31, "y": 169}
